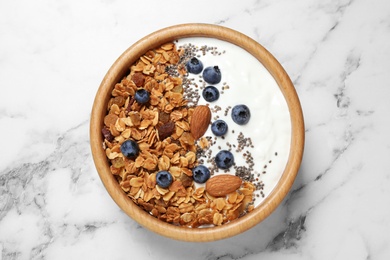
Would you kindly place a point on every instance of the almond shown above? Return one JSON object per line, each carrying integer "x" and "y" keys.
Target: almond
{"x": 200, "y": 121}
{"x": 221, "y": 185}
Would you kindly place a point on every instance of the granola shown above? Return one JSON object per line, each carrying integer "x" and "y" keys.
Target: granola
{"x": 161, "y": 128}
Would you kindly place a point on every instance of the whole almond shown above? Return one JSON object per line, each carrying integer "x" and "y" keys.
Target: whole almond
{"x": 200, "y": 121}
{"x": 221, "y": 185}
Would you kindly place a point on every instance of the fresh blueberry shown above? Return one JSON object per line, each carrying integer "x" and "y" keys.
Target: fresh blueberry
{"x": 210, "y": 93}
{"x": 241, "y": 114}
{"x": 194, "y": 66}
{"x": 212, "y": 75}
{"x": 219, "y": 127}
{"x": 142, "y": 96}
{"x": 224, "y": 159}
{"x": 130, "y": 149}
{"x": 164, "y": 179}
{"x": 200, "y": 174}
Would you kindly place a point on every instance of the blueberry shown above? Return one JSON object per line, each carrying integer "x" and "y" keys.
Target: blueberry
{"x": 212, "y": 75}
{"x": 142, "y": 96}
{"x": 241, "y": 114}
{"x": 210, "y": 93}
{"x": 224, "y": 159}
{"x": 164, "y": 179}
{"x": 219, "y": 127}
{"x": 194, "y": 66}
{"x": 130, "y": 149}
{"x": 200, "y": 174}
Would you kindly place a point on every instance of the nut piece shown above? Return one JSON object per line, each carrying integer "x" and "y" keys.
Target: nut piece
{"x": 200, "y": 121}
{"x": 138, "y": 79}
{"x": 166, "y": 130}
{"x": 223, "y": 184}
{"x": 110, "y": 119}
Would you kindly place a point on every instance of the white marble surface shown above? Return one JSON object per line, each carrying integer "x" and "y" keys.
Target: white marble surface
{"x": 53, "y": 55}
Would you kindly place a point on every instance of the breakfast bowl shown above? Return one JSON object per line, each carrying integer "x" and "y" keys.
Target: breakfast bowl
{"x": 197, "y": 132}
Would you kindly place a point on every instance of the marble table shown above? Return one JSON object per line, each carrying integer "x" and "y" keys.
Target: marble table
{"x": 53, "y": 56}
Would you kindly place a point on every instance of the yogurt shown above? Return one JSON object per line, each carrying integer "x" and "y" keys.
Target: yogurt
{"x": 246, "y": 81}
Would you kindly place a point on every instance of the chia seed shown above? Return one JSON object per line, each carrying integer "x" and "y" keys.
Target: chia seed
{"x": 244, "y": 173}
{"x": 227, "y": 111}
{"x": 243, "y": 142}
{"x": 215, "y": 109}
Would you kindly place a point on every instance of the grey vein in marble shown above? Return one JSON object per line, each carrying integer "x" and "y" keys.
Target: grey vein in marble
{"x": 53, "y": 56}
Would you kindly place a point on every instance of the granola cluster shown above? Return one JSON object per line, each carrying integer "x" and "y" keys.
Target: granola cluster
{"x": 162, "y": 130}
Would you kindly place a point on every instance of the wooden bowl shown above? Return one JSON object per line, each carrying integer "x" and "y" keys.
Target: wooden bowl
{"x": 119, "y": 70}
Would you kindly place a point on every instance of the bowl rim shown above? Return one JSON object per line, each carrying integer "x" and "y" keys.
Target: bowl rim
{"x": 116, "y": 73}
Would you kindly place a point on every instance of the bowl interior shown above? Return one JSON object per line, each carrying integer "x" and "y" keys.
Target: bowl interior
{"x": 121, "y": 67}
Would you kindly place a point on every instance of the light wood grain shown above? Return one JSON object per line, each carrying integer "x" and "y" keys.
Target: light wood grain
{"x": 120, "y": 68}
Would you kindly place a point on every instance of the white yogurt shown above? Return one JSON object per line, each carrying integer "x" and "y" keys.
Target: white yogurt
{"x": 269, "y": 126}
